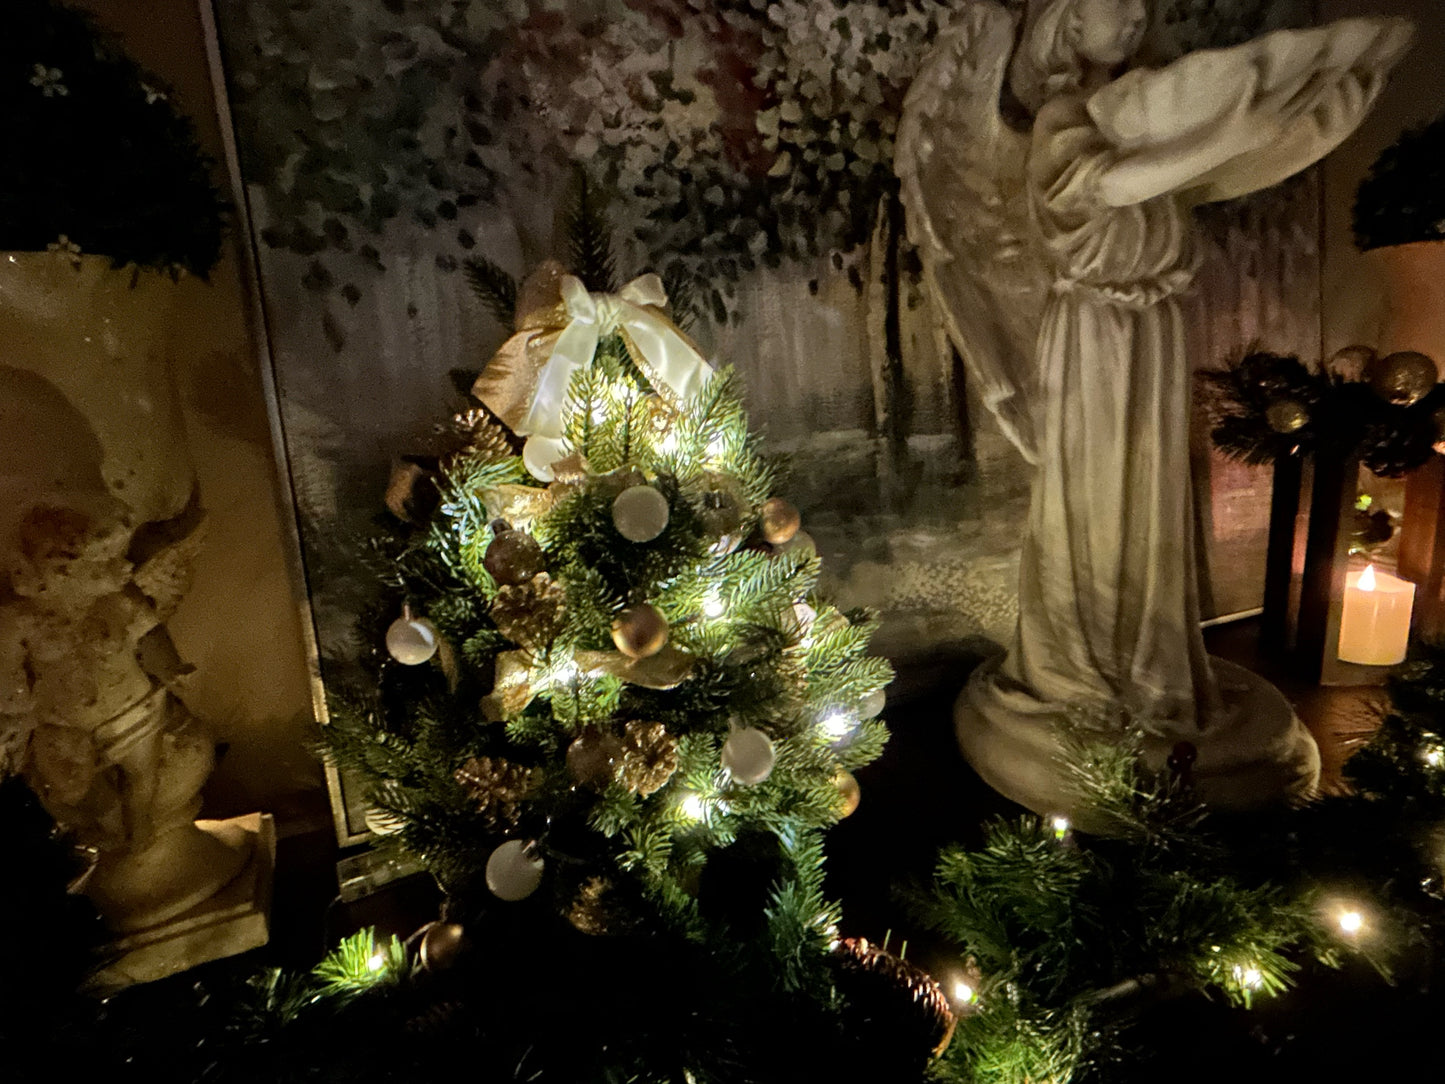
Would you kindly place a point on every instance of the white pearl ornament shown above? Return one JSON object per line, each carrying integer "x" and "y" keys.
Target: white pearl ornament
{"x": 513, "y": 874}
{"x": 412, "y": 640}
{"x": 748, "y": 754}
{"x": 640, "y": 513}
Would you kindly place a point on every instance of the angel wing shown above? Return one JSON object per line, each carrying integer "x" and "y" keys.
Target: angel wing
{"x": 962, "y": 171}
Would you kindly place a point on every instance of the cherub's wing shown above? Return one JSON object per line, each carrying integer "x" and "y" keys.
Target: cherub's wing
{"x": 962, "y": 174}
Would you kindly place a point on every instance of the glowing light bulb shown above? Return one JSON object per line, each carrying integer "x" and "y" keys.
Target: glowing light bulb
{"x": 836, "y": 724}
{"x": 1061, "y": 827}
{"x": 1251, "y": 978}
{"x": 694, "y": 806}
{"x": 1367, "y": 579}
{"x": 668, "y": 444}
{"x": 964, "y": 993}
{"x": 376, "y": 961}
{"x": 713, "y": 605}
{"x": 1434, "y": 755}
{"x": 1352, "y": 922}
{"x": 717, "y": 447}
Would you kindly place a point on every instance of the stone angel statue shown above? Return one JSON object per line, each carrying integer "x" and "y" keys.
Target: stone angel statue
{"x": 1056, "y": 244}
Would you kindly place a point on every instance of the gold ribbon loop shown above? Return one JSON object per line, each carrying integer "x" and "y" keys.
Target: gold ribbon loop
{"x": 529, "y": 393}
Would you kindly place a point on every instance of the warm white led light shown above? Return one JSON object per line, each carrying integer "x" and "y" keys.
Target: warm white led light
{"x": 1352, "y": 921}
{"x": 376, "y": 961}
{"x": 713, "y": 605}
{"x": 694, "y": 806}
{"x": 964, "y": 993}
{"x": 836, "y": 724}
{"x": 1249, "y": 977}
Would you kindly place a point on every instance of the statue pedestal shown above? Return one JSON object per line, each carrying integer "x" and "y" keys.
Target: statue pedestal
{"x": 233, "y": 920}
{"x": 1256, "y": 753}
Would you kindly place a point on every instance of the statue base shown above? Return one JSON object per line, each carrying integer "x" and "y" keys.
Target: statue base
{"x": 1257, "y": 753}
{"x": 233, "y": 920}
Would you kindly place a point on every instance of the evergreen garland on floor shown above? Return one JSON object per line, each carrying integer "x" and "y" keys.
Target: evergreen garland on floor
{"x": 1061, "y": 940}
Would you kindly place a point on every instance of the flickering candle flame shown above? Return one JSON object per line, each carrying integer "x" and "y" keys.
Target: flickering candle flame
{"x": 1375, "y": 621}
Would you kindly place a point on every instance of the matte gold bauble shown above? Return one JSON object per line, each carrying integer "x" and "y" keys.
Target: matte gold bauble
{"x": 850, "y": 794}
{"x": 441, "y": 944}
{"x": 1402, "y": 378}
{"x": 640, "y": 513}
{"x": 1287, "y": 416}
{"x": 640, "y": 631}
{"x": 780, "y": 521}
{"x": 514, "y": 557}
{"x": 594, "y": 757}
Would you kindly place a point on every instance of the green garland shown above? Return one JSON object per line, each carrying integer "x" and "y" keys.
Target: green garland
{"x": 1268, "y": 406}
{"x": 1060, "y": 937}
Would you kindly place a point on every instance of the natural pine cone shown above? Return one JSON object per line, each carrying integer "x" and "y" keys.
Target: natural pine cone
{"x": 497, "y": 787}
{"x": 649, "y": 757}
{"x": 484, "y": 436}
{"x": 532, "y": 613}
{"x": 892, "y": 998}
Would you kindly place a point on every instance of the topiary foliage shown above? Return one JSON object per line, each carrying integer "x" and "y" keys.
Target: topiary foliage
{"x": 94, "y": 151}
{"x": 1402, "y": 201}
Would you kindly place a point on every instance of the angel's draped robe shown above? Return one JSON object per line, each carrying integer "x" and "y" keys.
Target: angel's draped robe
{"x": 1109, "y": 607}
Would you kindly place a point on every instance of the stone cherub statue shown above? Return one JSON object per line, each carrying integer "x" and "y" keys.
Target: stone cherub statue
{"x": 87, "y": 712}
{"x": 1056, "y": 249}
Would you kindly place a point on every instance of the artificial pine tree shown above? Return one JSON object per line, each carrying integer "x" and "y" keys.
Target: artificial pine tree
{"x": 612, "y": 714}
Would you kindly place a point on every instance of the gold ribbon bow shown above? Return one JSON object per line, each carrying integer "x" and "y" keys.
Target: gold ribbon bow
{"x": 525, "y": 384}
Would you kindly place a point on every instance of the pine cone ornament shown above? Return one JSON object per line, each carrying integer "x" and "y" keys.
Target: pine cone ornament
{"x": 497, "y": 786}
{"x": 483, "y": 435}
{"x": 532, "y": 613}
{"x": 590, "y": 912}
{"x": 649, "y": 757}
{"x": 892, "y": 998}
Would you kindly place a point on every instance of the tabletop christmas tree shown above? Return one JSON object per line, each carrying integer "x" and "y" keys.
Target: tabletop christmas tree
{"x": 612, "y": 715}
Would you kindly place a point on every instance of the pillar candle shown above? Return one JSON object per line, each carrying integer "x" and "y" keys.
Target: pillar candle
{"x": 1375, "y": 625}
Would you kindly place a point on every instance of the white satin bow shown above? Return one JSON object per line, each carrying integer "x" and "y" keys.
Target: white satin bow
{"x": 666, "y": 356}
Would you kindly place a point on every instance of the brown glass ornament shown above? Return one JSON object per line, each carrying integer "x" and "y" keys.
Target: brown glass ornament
{"x": 640, "y": 631}
{"x": 441, "y": 944}
{"x": 594, "y": 758}
{"x": 780, "y": 521}
{"x": 514, "y": 557}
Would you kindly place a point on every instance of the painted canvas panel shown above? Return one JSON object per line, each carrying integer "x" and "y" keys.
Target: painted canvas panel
{"x": 744, "y": 151}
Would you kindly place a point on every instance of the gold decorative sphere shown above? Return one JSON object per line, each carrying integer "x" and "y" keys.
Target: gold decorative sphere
{"x": 780, "y": 521}
{"x": 1287, "y": 416}
{"x": 1403, "y": 378}
{"x": 850, "y": 794}
{"x": 640, "y": 631}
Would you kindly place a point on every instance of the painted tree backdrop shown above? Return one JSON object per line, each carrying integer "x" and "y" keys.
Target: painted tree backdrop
{"x": 746, "y": 146}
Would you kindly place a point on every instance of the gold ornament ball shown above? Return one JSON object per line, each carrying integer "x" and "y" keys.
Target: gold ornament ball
{"x": 780, "y": 521}
{"x": 594, "y": 757}
{"x": 1402, "y": 378}
{"x": 640, "y": 631}
{"x": 849, "y": 792}
{"x": 1287, "y": 416}
{"x": 441, "y": 944}
{"x": 1351, "y": 363}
